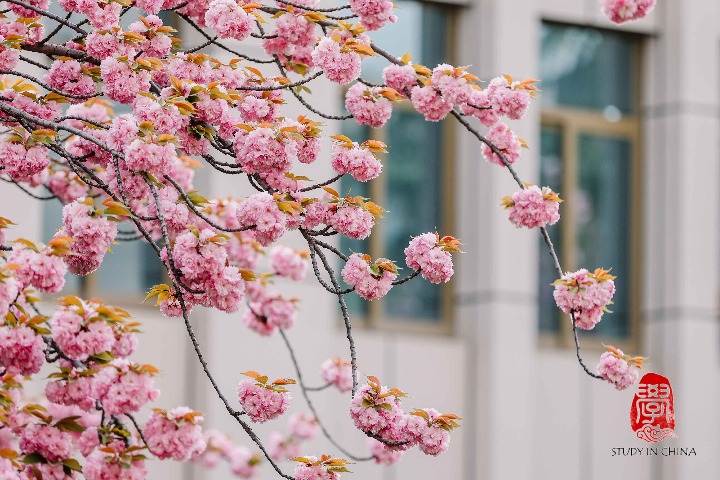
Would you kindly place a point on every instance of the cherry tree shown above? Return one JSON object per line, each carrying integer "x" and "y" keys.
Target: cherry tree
{"x": 129, "y": 177}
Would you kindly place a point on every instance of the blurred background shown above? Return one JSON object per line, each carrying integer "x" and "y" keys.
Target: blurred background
{"x": 625, "y": 129}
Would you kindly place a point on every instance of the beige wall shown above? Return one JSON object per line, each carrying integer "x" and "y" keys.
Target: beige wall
{"x": 529, "y": 410}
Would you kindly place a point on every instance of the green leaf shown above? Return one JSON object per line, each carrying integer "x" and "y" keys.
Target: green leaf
{"x": 103, "y": 357}
{"x": 69, "y": 424}
{"x": 33, "y": 458}
{"x": 73, "y": 464}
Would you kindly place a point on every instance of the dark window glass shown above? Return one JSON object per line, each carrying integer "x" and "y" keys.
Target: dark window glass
{"x": 593, "y": 70}
{"x": 602, "y": 217}
{"x": 587, "y": 68}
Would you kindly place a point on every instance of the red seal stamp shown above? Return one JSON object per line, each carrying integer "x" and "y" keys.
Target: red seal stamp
{"x": 652, "y": 414}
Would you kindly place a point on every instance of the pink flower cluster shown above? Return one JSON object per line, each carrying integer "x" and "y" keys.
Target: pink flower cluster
{"x": 8, "y": 289}
{"x": 374, "y": 14}
{"x": 508, "y": 98}
{"x": 399, "y": 77}
{"x": 40, "y": 267}
{"x": 92, "y": 235}
{"x": 431, "y": 255}
{"x": 228, "y": 19}
{"x": 618, "y": 368}
{"x": 258, "y": 323}
{"x": 295, "y": 38}
{"x": 262, "y": 401}
{"x": 339, "y": 64}
{"x": 203, "y": 261}
{"x": 124, "y": 387}
{"x": 115, "y": 465}
{"x": 264, "y": 150}
{"x": 448, "y": 86}
{"x": 338, "y": 373}
{"x": 120, "y": 82}
{"x": 9, "y": 57}
{"x": 262, "y": 211}
{"x": 430, "y": 103}
{"x": 271, "y": 311}
{"x": 81, "y": 332}
{"x": 67, "y": 186}
{"x": 479, "y": 106}
{"x": 621, "y": 11}
{"x": 505, "y": 141}
{"x": 314, "y": 470}
{"x": 585, "y": 296}
{"x": 68, "y": 77}
{"x": 147, "y": 156}
{"x": 288, "y": 262}
{"x": 368, "y": 105}
{"x": 52, "y": 443}
{"x": 165, "y": 117}
{"x": 281, "y": 446}
{"x": 22, "y": 351}
{"x": 349, "y": 216}
{"x": 21, "y": 162}
{"x": 356, "y": 160}
{"x": 175, "y": 434}
{"x": 303, "y": 426}
{"x": 158, "y": 44}
{"x": 430, "y": 430}
{"x": 533, "y": 207}
{"x": 353, "y": 222}
{"x": 371, "y": 280}
{"x": 242, "y": 248}
{"x": 75, "y": 389}
{"x": 376, "y": 408}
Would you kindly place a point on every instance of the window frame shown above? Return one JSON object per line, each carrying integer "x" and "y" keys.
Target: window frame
{"x": 571, "y": 123}
{"x": 374, "y": 318}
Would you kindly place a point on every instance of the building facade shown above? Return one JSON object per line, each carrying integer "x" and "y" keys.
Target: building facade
{"x": 626, "y": 130}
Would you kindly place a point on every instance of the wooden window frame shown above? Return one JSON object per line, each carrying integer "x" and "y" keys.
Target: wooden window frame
{"x": 571, "y": 123}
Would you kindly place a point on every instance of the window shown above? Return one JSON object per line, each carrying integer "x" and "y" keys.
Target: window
{"x": 414, "y": 184}
{"x": 590, "y": 153}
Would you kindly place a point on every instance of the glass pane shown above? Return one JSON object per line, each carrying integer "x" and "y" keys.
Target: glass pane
{"x": 414, "y": 202}
{"x": 550, "y": 176}
{"x": 421, "y": 30}
{"x": 587, "y": 68}
{"x": 603, "y": 220}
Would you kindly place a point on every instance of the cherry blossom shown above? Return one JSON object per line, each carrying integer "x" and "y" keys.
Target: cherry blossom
{"x": 585, "y": 295}
{"x": 175, "y": 434}
{"x": 533, "y": 207}
{"x": 430, "y": 254}
{"x": 263, "y": 401}
{"x": 338, "y": 373}
{"x": 371, "y": 280}
{"x": 621, "y": 11}
{"x": 618, "y": 368}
